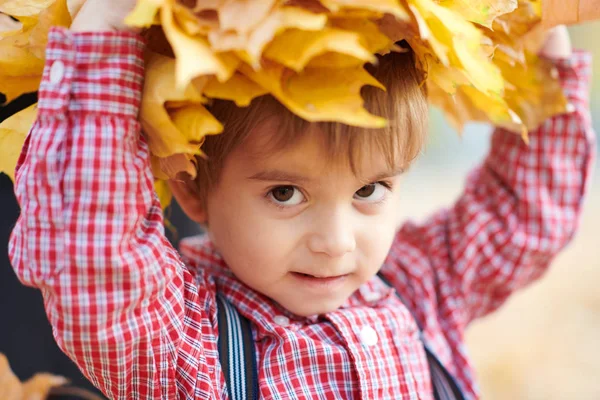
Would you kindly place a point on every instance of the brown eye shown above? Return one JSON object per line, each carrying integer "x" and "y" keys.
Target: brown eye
{"x": 366, "y": 190}
{"x": 372, "y": 193}
{"x": 283, "y": 193}
{"x": 286, "y": 196}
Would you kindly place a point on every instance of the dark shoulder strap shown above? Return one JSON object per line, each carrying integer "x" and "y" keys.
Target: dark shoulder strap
{"x": 67, "y": 392}
{"x": 238, "y": 359}
{"x": 236, "y": 352}
{"x": 444, "y": 384}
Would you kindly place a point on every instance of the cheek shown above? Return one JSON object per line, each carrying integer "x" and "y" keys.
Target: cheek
{"x": 249, "y": 239}
{"x": 376, "y": 240}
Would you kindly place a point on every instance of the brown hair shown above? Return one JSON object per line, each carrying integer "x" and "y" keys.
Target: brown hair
{"x": 403, "y": 104}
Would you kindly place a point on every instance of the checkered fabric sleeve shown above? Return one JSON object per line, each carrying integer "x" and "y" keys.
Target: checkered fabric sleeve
{"x": 90, "y": 234}
{"x": 517, "y": 211}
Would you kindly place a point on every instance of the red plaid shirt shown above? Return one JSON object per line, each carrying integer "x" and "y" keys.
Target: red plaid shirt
{"x": 140, "y": 319}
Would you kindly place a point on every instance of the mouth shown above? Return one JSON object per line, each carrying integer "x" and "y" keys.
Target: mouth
{"x": 320, "y": 282}
{"x": 300, "y": 274}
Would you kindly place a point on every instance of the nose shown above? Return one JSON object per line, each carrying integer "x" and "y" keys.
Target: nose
{"x": 333, "y": 235}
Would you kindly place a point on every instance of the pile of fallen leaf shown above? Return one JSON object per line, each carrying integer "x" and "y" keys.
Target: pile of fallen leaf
{"x": 478, "y": 58}
{"x": 37, "y": 387}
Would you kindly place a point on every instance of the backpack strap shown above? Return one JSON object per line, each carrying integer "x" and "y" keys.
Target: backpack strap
{"x": 444, "y": 384}
{"x": 236, "y": 352}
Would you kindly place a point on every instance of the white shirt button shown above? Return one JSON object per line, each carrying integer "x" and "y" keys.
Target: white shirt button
{"x": 282, "y": 320}
{"x": 368, "y": 336}
{"x": 57, "y": 72}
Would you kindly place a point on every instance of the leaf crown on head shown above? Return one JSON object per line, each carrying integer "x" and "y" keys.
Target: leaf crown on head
{"x": 478, "y": 58}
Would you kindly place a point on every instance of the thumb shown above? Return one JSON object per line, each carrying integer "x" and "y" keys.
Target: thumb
{"x": 557, "y": 44}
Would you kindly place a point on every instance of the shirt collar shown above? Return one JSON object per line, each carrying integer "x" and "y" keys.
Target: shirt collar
{"x": 199, "y": 251}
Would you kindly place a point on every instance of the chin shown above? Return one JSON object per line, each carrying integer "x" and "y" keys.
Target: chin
{"x": 315, "y": 307}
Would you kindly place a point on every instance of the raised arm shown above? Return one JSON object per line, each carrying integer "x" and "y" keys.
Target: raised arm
{"x": 518, "y": 210}
{"x": 521, "y": 207}
{"x": 90, "y": 234}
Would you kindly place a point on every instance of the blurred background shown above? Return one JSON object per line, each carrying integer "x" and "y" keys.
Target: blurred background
{"x": 544, "y": 343}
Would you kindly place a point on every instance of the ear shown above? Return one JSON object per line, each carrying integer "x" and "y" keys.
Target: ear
{"x": 188, "y": 198}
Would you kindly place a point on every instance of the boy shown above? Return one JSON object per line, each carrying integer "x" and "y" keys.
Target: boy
{"x": 301, "y": 217}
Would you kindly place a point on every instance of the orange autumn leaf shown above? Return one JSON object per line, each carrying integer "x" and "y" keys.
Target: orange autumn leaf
{"x": 37, "y": 387}
{"x": 556, "y": 12}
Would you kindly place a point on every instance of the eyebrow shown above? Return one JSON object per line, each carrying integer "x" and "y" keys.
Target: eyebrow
{"x": 399, "y": 170}
{"x": 278, "y": 175}
{"x": 272, "y": 175}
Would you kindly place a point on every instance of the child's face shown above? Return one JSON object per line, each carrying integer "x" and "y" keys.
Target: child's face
{"x": 301, "y": 229}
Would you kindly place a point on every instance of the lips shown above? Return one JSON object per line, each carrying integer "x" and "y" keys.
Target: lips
{"x": 301, "y": 274}
{"x": 323, "y": 285}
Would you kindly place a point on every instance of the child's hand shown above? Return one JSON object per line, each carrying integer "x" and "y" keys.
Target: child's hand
{"x": 103, "y": 15}
{"x": 557, "y": 44}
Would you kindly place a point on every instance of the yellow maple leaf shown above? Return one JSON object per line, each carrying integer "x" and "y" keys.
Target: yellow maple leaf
{"x": 294, "y": 48}
{"x": 196, "y": 23}
{"x": 56, "y": 15}
{"x": 482, "y": 12}
{"x": 392, "y": 7}
{"x": 174, "y": 119}
{"x": 251, "y": 45}
{"x": 449, "y": 88}
{"x": 194, "y": 122}
{"x": 193, "y": 54}
{"x": 24, "y": 8}
{"x": 238, "y": 88}
{"x": 309, "y": 54}
{"x": 519, "y": 22}
{"x": 456, "y": 111}
{"x": 145, "y": 13}
{"x": 504, "y": 46}
{"x": 457, "y": 42}
{"x": 533, "y": 91}
{"x": 13, "y": 132}
{"x": 22, "y": 50}
{"x": 371, "y": 36}
{"x": 163, "y": 192}
{"x": 243, "y": 15}
{"x": 320, "y": 94}
{"x": 467, "y": 105}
